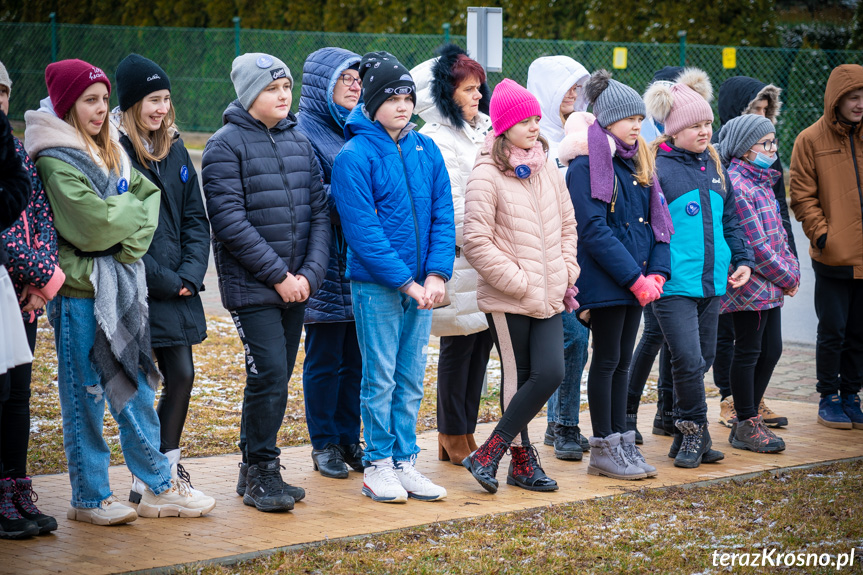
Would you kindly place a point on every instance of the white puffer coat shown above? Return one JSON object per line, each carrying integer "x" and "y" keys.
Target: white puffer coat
{"x": 459, "y": 147}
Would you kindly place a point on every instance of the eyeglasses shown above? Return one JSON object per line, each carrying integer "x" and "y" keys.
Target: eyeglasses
{"x": 768, "y": 146}
{"x": 349, "y": 80}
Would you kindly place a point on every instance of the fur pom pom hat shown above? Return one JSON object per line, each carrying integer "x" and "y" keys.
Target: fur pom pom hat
{"x": 611, "y": 100}
{"x": 685, "y": 103}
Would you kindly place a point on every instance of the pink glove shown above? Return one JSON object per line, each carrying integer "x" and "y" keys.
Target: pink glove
{"x": 659, "y": 279}
{"x": 645, "y": 290}
{"x": 569, "y": 299}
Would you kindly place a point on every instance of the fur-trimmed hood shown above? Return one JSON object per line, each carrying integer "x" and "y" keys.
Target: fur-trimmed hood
{"x": 435, "y": 90}
{"x": 574, "y": 144}
{"x": 549, "y": 78}
{"x": 738, "y": 94}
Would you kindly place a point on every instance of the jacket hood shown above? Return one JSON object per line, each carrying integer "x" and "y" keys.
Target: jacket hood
{"x": 236, "y": 114}
{"x": 574, "y": 144}
{"x": 549, "y": 78}
{"x": 359, "y": 124}
{"x": 116, "y": 119}
{"x": 321, "y": 71}
{"x": 843, "y": 79}
{"x": 738, "y": 94}
{"x": 435, "y": 89}
{"x": 44, "y": 130}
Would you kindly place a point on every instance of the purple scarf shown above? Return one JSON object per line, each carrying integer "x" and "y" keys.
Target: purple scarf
{"x": 602, "y": 178}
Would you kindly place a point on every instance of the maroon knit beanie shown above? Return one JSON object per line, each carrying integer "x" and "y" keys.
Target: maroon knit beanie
{"x": 67, "y": 80}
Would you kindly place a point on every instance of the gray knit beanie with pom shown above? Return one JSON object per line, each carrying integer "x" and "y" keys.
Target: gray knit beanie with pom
{"x": 611, "y": 100}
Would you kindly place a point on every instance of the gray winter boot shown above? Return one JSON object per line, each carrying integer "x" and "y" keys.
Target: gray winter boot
{"x": 753, "y": 435}
{"x": 630, "y": 449}
{"x": 607, "y": 458}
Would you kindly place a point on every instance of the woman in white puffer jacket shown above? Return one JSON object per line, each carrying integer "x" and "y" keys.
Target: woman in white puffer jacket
{"x": 452, "y": 99}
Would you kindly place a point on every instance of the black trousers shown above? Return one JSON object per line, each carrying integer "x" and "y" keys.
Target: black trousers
{"x": 460, "y": 372}
{"x": 839, "y": 344}
{"x": 614, "y": 332}
{"x": 757, "y": 349}
{"x": 724, "y": 354}
{"x": 531, "y": 353}
{"x": 271, "y": 338}
{"x": 178, "y": 370}
{"x": 15, "y": 414}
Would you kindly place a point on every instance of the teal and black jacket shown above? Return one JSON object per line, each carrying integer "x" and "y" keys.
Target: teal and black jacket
{"x": 707, "y": 234}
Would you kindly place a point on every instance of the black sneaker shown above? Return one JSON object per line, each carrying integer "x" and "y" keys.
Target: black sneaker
{"x": 25, "y": 502}
{"x": 566, "y": 443}
{"x": 241, "y": 480}
{"x": 330, "y": 461}
{"x": 12, "y": 524}
{"x": 549, "y": 434}
{"x": 265, "y": 489}
{"x": 710, "y": 456}
{"x": 354, "y": 455}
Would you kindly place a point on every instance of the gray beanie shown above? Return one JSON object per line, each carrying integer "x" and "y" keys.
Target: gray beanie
{"x": 253, "y": 72}
{"x": 5, "y": 80}
{"x": 611, "y": 100}
{"x": 740, "y": 134}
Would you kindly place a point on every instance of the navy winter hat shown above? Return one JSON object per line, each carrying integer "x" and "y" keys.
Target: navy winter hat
{"x": 136, "y": 77}
{"x": 384, "y": 76}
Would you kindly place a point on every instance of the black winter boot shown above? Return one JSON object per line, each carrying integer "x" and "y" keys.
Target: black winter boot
{"x": 632, "y": 425}
{"x": 12, "y": 524}
{"x": 567, "y": 442}
{"x": 710, "y": 456}
{"x": 265, "y": 489}
{"x": 525, "y": 470}
{"x": 483, "y": 462}
{"x": 25, "y": 502}
{"x": 695, "y": 442}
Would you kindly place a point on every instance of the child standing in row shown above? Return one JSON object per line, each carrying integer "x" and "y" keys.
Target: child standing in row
{"x": 747, "y": 146}
{"x": 520, "y": 237}
{"x": 625, "y": 230}
{"x": 271, "y": 240}
{"x": 177, "y": 259}
{"x": 707, "y": 239}
{"x": 393, "y": 194}
{"x": 105, "y": 213}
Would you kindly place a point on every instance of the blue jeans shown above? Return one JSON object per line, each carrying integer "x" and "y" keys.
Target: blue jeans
{"x": 564, "y": 406}
{"x": 689, "y": 326}
{"x": 82, "y": 403}
{"x": 393, "y": 335}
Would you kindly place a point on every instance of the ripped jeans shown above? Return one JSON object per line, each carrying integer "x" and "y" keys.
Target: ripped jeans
{"x": 83, "y": 406}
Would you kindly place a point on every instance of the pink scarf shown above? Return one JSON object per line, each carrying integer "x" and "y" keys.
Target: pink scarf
{"x": 525, "y": 163}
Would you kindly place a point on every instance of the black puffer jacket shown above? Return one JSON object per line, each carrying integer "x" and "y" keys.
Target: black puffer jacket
{"x": 736, "y": 95}
{"x": 267, "y": 208}
{"x": 179, "y": 251}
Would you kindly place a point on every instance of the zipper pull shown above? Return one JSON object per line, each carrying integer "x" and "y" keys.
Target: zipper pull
{"x": 612, "y": 207}
{"x": 271, "y": 137}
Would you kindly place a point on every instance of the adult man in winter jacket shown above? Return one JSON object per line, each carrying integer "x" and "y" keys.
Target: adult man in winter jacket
{"x": 827, "y": 197}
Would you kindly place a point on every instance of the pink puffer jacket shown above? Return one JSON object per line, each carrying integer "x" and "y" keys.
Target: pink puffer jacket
{"x": 520, "y": 236}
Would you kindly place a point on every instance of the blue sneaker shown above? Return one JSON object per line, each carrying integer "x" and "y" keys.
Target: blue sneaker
{"x": 831, "y": 413}
{"x": 851, "y": 407}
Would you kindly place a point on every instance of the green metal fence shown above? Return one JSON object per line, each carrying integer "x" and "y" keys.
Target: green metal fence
{"x": 199, "y": 62}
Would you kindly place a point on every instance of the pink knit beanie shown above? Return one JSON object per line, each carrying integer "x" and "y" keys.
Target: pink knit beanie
{"x": 689, "y": 108}
{"x": 685, "y": 103}
{"x": 510, "y": 104}
{"x": 67, "y": 80}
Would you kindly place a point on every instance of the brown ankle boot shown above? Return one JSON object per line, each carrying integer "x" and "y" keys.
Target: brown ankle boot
{"x": 471, "y": 443}
{"x": 452, "y": 448}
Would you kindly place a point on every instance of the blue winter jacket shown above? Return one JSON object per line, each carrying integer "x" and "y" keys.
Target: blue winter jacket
{"x": 707, "y": 234}
{"x": 615, "y": 241}
{"x": 322, "y": 121}
{"x": 267, "y": 208}
{"x": 395, "y": 205}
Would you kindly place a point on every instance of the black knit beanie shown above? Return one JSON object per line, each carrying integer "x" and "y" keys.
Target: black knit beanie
{"x": 136, "y": 77}
{"x": 383, "y": 76}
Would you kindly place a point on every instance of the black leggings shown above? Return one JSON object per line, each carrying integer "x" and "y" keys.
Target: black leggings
{"x": 178, "y": 369}
{"x": 757, "y": 349}
{"x": 15, "y": 414}
{"x": 531, "y": 353}
{"x": 614, "y": 331}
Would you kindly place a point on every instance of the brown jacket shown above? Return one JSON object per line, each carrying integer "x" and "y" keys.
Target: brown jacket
{"x": 519, "y": 235}
{"x": 826, "y": 184}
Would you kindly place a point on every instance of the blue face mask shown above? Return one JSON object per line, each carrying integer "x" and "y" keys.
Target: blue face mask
{"x": 763, "y": 161}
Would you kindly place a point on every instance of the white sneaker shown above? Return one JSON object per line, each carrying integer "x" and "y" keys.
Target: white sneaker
{"x": 178, "y": 501}
{"x": 109, "y": 512}
{"x": 381, "y": 484}
{"x": 416, "y": 484}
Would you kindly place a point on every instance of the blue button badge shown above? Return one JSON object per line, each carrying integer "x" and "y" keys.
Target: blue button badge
{"x": 522, "y": 171}
{"x": 264, "y": 62}
{"x": 122, "y": 185}
{"x": 184, "y": 174}
{"x": 692, "y": 208}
